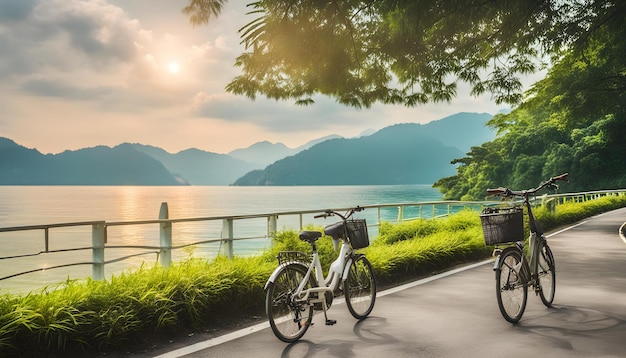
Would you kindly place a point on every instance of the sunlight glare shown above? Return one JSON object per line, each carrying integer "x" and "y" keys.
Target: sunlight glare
{"x": 173, "y": 67}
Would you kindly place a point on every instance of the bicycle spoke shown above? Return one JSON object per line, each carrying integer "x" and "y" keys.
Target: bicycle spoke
{"x": 288, "y": 317}
{"x": 360, "y": 288}
{"x": 546, "y": 276}
{"x": 510, "y": 291}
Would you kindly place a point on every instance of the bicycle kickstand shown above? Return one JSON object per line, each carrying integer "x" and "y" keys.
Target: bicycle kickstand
{"x": 329, "y": 322}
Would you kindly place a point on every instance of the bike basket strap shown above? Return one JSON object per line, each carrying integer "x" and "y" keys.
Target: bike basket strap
{"x": 285, "y": 257}
{"x": 357, "y": 232}
{"x": 501, "y": 225}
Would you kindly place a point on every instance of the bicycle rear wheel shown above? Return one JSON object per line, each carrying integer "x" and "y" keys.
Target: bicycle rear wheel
{"x": 359, "y": 288}
{"x": 511, "y": 290}
{"x": 546, "y": 274}
{"x": 288, "y": 318}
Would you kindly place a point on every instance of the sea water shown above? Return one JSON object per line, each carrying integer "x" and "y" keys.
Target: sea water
{"x": 42, "y": 205}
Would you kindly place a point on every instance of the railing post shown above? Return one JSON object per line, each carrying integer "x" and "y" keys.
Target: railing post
{"x": 97, "y": 251}
{"x": 400, "y": 214}
{"x": 227, "y": 234}
{"x": 165, "y": 251}
{"x": 272, "y": 223}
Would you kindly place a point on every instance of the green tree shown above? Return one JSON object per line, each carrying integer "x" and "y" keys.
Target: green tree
{"x": 405, "y": 52}
{"x": 573, "y": 121}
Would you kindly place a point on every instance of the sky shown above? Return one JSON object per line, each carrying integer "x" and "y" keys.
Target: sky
{"x": 81, "y": 73}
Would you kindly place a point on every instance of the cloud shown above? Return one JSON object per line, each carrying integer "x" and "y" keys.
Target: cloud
{"x": 279, "y": 116}
{"x": 16, "y": 10}
{"x": 53, "y": 88}
{"x": 100, "y": 67}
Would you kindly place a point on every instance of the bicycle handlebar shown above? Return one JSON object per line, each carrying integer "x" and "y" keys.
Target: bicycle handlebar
{"x": 508, "y": 192}
{"x": 329, "y": 212}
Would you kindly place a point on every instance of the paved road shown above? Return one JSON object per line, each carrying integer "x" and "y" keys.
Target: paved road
{"x": 457, "y": 315}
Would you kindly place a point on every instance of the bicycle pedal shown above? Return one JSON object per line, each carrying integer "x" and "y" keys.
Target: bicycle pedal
{"x": 330, "y": 322}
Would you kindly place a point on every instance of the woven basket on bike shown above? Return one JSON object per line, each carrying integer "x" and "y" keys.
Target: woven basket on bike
{"x": 357, "y": 232}
{"x": 502, "y": 225}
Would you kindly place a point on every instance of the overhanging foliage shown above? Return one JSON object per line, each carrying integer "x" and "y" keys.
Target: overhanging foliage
{"x": 405, "y": 52}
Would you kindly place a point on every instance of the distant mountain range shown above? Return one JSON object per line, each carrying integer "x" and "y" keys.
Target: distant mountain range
{"x": 265, "y": 153}
{"x": 198, "y": 167}
{"x": 399, "y": 154}
{"x": 121, "y": 165}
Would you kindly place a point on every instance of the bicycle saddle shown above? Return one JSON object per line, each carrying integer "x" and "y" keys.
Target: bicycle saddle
{"x": 309, "y": 236}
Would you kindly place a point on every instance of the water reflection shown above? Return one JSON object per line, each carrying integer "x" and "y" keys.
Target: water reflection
{"x": 62, "y": 204}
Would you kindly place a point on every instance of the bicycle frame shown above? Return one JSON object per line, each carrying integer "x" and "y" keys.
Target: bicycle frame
{"x": 528, "y": 268}
{"x": 338, "y": 270}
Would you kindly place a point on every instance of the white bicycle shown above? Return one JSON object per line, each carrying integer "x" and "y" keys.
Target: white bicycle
{"x": 298, "y": 287}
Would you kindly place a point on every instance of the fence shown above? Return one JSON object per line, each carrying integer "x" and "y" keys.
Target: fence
{"x": 163, "y": 251}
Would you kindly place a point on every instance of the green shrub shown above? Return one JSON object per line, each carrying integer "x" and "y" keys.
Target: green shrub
{"x": 424, "y": 246}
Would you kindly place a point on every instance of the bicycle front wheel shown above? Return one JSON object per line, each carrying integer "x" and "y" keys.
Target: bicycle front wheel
{"x": 546, "y": 274}
{"x": 511, "y": 290}
{"x": 359, "y": 288}
{"x": 288, "y": 317}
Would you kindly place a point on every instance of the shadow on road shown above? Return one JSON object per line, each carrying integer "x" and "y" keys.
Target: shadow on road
{"x": 565, "y": 325}
{"x": 367, "y": 330}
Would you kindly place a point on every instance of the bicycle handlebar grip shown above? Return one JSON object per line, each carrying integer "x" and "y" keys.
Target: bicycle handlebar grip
{"x": 498, "y": 191}
{"x": 561, "y": 177}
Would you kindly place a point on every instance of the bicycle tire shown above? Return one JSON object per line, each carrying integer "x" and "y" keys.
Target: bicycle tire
{"x": 546, "y": 274}
{"x": 288, "y": 319}
{"x": 359, "y": 288}
{"x": 511, "y": 290}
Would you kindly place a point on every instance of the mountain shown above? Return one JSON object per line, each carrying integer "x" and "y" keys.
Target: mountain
{"x": 462, "y": 130}
{"x": 405, "y": 153}
{"x": 200, "y": 167}
{"x": 121, "y": 165}
{"x": 408, "y": 153}
{"x": 395, "y": 155}
{"x": 262, "y": 153}
{"x": 265, "y": 153}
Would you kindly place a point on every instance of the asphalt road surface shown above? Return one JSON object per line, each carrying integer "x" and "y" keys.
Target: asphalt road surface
{"x": 456, "y": 314}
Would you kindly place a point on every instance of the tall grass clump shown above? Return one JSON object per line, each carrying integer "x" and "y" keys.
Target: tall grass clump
{"x": 571, "y": 212}
{"x": 91, "y": 316}
{"x": 420, "y": 247}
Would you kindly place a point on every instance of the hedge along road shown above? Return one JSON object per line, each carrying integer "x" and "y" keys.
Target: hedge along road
{"x": 455, "y": 314}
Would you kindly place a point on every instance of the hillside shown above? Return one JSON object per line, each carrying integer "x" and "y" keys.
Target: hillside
{"x": 265, "y": 153}
{"x": 121, "y": 165}
{"x": 401, "y": 154}
{"x": 200, "y": 167}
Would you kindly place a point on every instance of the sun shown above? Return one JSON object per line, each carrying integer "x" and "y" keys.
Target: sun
{"x": 173, "y": 67}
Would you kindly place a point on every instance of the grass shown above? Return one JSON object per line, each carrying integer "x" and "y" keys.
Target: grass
{"x": 90, "y": 316}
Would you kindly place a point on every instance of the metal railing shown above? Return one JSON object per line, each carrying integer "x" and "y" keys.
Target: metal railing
{"x": 163, "y": 251}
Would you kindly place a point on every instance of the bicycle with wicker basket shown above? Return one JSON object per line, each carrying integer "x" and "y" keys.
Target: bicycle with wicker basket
{"x": 504, "y": 226}
{"x": 298, "y": 287}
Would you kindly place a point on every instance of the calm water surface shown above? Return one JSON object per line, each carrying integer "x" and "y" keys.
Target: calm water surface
{"x": 38, "y": 205}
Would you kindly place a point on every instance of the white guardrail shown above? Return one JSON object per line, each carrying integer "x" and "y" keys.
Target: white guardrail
{"x": 99, "y": 229}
